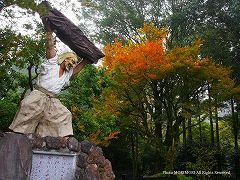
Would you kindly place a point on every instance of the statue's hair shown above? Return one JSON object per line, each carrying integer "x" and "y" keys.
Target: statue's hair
{"x": 65, "y": 55}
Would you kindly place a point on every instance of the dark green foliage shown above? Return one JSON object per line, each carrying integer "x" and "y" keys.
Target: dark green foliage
{"x": 20, "y": 55}
{"x": 215, "y": 22}
{"x": 120, "y": 19}
{"x": 7, "y": 112}
{"x": 85, "y": 90}
{"x": 184, "y": 155}
{"x": 19, "y": 58}
{"x": 118, "y": 153}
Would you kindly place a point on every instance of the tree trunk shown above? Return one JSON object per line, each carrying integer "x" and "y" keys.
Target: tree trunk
{"x": 169, "y": 136}
{"x": 200, "y": 129}
{"x": 184, "y": 132}
{"x": 189, "y": 129}
{"x": 210, "y": 117}
{"x": 217, "y": 128}
{"x": 157, "y": 115}
{"x": 158, "y": 122}
{"x": 158, "y": 131}
{"x": 235, "y": 125}
{"x": 238, "y": 158}
{"x": 219, "y": 154}
{"x": 199, "y": 123}
{"x": 235, "y": 133}
{"x": 30, "y": 76}
{"x": 176, "y": 136}
{"x": 133, "y": 153}
{"x": 137, "y": 158}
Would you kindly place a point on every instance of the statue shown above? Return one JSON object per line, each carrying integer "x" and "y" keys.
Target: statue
{"x": 42, "y": 121}
{"x": 41, "y": 112}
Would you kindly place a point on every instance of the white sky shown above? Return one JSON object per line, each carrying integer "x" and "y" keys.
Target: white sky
{"x": 70, "y": 8}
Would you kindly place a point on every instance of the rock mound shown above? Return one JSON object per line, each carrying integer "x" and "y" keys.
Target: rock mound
{"x": 16, "y": 150}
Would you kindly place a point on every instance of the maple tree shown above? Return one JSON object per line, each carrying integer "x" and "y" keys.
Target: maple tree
{"x": 155, "y": 90}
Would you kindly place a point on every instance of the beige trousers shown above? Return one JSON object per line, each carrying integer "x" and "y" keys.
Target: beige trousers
{"x": 42, "y": 114}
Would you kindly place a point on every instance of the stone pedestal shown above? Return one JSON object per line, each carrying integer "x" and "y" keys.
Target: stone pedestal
{"x": 52, "y": 158}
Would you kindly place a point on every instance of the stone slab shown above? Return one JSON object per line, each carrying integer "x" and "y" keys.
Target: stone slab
{"x": 53, "y": 165}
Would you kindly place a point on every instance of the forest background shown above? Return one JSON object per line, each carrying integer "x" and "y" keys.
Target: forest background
{"x": 165, "y": 97}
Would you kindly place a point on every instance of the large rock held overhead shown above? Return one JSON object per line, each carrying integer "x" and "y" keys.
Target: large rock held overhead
{"x": 71, "y": 35}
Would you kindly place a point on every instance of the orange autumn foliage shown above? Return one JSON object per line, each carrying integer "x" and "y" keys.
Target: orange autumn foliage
{"x": 137, "y": 60}
{"x": 151, "y": 32}
{"x": 149, "y": 60}
{"x": 147, "y": 76}
{"x": 94, "y": 137}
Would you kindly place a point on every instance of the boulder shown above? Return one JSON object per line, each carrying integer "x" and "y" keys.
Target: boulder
{"x": 16, "y": 156}
{"x": 73, "y": 144}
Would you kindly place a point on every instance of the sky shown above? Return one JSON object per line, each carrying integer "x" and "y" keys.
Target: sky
{"x": 66, "y": 7}
{"x": 23, "y": 17}
{"x": 72, "y": 9}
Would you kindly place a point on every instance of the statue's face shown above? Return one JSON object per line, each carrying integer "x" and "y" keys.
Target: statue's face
{"x": 69, "y": 63}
